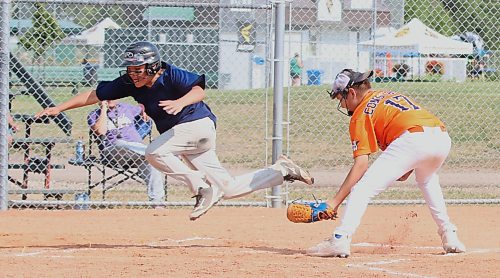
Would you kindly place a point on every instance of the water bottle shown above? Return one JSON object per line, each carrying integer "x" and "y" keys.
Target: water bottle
{"x": 79, "y": 151}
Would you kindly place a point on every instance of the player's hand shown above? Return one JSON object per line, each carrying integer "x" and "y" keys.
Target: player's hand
{"x": 144, "y": 116}
{"x": 104, "y": 105}
{"x": 334, "y": 205}
{"x": 172, "y": 107}
{"x": 50, "y": 111}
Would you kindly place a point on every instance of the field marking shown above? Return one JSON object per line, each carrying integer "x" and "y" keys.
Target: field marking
{"x": 177, "y": 241}
{"x": 367, "y": 244}
{"x": 474, "y": 251}
{"x": 22, "y": 254}
{"x": 471, "y": 251}
{"x": 371, "y": 266}
{"x": 46, "y": 251}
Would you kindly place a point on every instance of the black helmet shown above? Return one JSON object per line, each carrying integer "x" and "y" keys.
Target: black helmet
{"x": 142, "y": 53}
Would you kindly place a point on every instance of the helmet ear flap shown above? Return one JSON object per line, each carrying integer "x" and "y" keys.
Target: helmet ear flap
{"x": 153, "y": 68}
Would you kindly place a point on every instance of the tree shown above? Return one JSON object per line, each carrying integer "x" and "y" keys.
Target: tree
{"x": 43, "y": 34}
{"x": 478, "y": 16}
{"x": 432, "y": 13}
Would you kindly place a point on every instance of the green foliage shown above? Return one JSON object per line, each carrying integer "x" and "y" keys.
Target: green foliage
{"x": 478, "y": 16}
{"x": 432, "y": 13}
{"x": 451, "y": 17}
{"x": 43, "y": 34}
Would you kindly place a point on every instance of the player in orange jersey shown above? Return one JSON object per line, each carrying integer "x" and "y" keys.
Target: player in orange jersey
{"x": 411, "y": 138}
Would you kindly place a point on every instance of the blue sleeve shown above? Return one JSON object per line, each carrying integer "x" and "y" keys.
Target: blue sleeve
{"x": 92, "y": 117}
{"x": 183, "y": 81}
{"x": 111, "y": 90}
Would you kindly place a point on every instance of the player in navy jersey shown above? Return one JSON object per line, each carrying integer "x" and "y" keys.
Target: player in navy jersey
{"x": 185, "y": 148}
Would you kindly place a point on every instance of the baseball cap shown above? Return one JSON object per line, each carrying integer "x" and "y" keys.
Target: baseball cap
{"x": 346, "y": 78}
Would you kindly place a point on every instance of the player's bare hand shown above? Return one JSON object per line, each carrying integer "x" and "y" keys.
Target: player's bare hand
{"x": 50, "y": 111}
{"x": 172, "y": 107}
{"x": 334, "y": 205}
{"x": 143, "y": 113}
{"x": 104, "y": 105}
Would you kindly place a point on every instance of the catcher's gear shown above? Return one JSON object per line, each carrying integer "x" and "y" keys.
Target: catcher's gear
{"x": 310, "y": 212}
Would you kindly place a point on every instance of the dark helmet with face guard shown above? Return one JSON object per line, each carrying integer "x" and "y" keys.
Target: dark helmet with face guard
{"x": 142, "y": 53}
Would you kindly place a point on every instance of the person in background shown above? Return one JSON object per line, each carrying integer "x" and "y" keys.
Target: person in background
{"x": 296, "y": 66}
{"x": 123, "y": 144}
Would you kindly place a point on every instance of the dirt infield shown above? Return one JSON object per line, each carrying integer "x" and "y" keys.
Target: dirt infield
{"x": 392, "y": 241}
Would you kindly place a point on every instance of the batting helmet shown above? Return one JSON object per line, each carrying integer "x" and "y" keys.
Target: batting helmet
{"x": 142, "y": 53}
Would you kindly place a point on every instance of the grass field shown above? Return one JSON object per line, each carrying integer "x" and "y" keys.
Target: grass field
{"x": 317, "y": 136}
{"x": 318, "y": 133}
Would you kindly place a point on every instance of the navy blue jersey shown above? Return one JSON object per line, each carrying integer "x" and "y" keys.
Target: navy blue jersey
{"x": 172, "y": 84}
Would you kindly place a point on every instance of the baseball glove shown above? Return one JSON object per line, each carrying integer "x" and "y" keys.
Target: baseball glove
{"x": 310, "y": 212}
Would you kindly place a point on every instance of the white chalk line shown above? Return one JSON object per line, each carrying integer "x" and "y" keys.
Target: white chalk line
{"x": 471, "y": 251}
{"x": 45, "y": 253}
{"x": 181, "y": 241}
{"x": 177, "y": 241}
{"x": 367, "y": 244}
{"x": 370, "y": 266}
{"x": 474, "y": 251}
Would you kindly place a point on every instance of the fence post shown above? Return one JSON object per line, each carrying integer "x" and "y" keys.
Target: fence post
{"x": 4, "y": 100}
{"x": 279, "y": 38}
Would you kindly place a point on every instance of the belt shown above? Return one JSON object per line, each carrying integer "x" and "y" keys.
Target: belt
{"x": 421, "y": 129}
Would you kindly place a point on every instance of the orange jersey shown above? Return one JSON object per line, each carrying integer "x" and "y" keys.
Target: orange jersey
{"x": 381, "y": 117}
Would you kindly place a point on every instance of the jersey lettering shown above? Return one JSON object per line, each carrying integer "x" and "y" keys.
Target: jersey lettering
{"x": 382, "y": 117}
{"x": 372, "y": 104}
{"x": 402, "y": 103}
{"x": 354, "y": 145}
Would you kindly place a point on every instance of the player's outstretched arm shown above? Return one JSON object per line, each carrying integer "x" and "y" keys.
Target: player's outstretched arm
{"x": 80, "y": 100}
{"x": 357, "y": 171}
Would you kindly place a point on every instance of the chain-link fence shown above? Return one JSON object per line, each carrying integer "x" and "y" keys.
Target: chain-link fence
{"x": 60, "y": 48}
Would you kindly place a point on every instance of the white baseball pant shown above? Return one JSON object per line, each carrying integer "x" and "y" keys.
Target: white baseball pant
{"x": 195, "y": 142}
{"x": 423, "y": 151}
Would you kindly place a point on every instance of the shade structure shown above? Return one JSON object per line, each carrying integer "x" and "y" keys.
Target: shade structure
{"x": 416, "y": 38}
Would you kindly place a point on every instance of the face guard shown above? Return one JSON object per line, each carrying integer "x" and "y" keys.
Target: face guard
{"x": 138, "y": 54}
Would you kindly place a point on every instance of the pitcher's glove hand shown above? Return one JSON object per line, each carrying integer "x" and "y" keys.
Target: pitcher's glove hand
{"x": 310, "y": 212}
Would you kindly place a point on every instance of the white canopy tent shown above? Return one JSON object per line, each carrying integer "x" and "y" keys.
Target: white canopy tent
{"x": 415, "y": 44}
{"x": 416, "y": 37}
{"x": 95, "y": 34}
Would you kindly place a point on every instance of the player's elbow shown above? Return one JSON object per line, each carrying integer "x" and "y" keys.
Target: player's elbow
{"x": 361, "y": 163}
